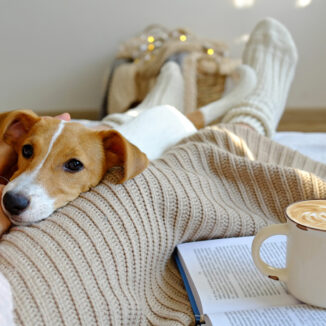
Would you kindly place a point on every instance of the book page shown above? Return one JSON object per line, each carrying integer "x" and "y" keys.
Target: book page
{"x": 296, "y": 315}
{"x": 223, "y": 277}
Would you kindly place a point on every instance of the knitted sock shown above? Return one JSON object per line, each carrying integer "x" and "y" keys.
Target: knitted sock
{"x": 245, "y": 78}
{"x": 168, "y": 89}
{"x": 272, "y": 54}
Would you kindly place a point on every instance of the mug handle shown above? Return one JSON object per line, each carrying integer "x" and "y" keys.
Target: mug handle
{"x": 266, "y": 232}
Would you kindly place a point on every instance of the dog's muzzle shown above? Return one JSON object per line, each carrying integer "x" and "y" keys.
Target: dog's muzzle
{"x": 15, "y": 203}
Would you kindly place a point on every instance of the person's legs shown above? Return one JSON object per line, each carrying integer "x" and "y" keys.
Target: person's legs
{"x": 258, "y": 100}
{"x": 245, "y": 78}
{"x": 272, "y": 54}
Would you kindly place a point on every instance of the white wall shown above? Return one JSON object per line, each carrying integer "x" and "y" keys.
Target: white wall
{"x": 55, "y": 54}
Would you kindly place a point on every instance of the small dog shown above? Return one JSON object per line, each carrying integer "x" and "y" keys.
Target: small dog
{"x": 58, "y": 160}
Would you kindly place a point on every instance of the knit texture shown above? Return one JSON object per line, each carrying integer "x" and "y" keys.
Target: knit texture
{"x": 245, "y": 81}
{"x": 272, "y": 54}
{"x": 168, "y": 89}
{"x": 105, "y": 258}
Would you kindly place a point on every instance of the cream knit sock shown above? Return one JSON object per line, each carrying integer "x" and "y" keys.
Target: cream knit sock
{"x": 168, "y": 89}
{"x": 245, "y": 83}
{"x": 272, "y": 54}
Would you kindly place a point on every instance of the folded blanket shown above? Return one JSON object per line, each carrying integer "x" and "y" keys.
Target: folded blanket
{"x": 105, "y": 259}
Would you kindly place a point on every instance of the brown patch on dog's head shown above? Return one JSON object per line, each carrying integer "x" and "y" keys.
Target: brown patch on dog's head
{"x": 96, "y": 151}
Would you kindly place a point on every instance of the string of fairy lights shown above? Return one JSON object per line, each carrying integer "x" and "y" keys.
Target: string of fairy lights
{"x": 182, "y": 38}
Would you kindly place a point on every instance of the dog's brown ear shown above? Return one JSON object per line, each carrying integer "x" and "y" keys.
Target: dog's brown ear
{"x": 15, "y": 125}
{"x": 121, "y": 153}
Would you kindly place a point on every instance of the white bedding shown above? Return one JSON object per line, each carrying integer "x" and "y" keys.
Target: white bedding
{"x": 310, "y": 144}
{"x": 6, "y": 303}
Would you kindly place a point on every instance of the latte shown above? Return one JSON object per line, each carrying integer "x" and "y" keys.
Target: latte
{"x": 311, "y": 213}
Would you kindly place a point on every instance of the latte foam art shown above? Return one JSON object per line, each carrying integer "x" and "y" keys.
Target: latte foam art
{"x": 311, "y": 213}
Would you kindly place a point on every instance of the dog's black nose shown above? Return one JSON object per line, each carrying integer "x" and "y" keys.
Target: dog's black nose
{"x": 15, "y": 203}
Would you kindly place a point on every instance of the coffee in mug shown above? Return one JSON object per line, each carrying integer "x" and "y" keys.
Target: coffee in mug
{"x": 305, "y": 269}
{"x": 309, "y": 213}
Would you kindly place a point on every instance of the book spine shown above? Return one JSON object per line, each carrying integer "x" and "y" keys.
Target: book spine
{"x": 199, "y": 319}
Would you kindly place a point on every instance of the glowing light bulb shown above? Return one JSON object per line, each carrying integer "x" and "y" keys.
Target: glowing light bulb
{"x": 183, "y": 38}
{"x": 210, "y": 51}
{"x": 302, "y": 3}
{"x": 150, "y": 47}
{"x": 150, "y": 39}
{"x": 243, "y": 3}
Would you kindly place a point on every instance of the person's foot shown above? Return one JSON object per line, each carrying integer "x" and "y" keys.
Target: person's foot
{"x": 272, "y": 54}
{"x": 245, "y": 82}
{"x": 168, "y": 89}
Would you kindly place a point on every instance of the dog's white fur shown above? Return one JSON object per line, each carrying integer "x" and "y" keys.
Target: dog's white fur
{"x": 157, "y": 129}
{"x": 153, "y": 131}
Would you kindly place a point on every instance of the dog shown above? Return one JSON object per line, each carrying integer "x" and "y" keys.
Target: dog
{"x": 58, "y": 160}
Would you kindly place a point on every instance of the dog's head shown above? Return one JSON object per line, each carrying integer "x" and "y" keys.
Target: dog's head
{"x": 58, "y": 160}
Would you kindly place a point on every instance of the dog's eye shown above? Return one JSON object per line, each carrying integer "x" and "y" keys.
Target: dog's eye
{"x": 27, "y": 151}
{"x": 73, "y": 165}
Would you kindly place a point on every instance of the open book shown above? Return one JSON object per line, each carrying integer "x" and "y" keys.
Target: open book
{"x": 225, "y": 287}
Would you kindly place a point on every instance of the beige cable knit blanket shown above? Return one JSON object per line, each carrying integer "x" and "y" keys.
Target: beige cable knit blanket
{"x": 105, "y": 259}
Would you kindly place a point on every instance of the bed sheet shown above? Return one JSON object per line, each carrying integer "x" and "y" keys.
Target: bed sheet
{"x": 311, "y": 144}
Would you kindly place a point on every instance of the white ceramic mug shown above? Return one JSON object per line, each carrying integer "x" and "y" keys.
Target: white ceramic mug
{"x": 305, "y": 271}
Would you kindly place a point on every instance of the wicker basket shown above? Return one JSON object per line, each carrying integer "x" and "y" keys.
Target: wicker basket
{"x": 205, "y": 67}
